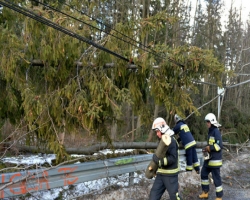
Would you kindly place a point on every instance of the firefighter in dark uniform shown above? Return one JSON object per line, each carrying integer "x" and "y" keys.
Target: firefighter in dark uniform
{"x": 168, "y": 167}
{"x": 213, "y": 162}
{"x": 189, "y": 144}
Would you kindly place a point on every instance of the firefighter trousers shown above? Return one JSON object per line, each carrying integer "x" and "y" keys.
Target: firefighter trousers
{"x": 216, "y": 177}
{"x": 192, "y": 159}
{"x": 162, "y": 183}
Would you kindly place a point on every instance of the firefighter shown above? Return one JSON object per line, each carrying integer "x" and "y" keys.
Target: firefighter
{"x": 168, "y": 167}
{"x": 189, "y": 144}
{"x": 213, "y": 162}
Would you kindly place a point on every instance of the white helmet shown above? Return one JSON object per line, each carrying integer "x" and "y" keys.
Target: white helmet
{"x": 177, "y": 118}
{"x": 161, "y": 125}
{"x": 212, "y": 119}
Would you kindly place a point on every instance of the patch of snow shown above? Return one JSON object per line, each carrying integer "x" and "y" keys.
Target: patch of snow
{"x": 109, "y": 151}
{"x": 97, "y": 187}
{"x": 30, "y": 160}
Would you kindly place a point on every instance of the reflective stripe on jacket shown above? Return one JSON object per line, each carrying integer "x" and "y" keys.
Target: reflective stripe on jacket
{"x": 170, "y": 165}
{"x": 215, "y": 144}
{"x": 186, "y": 136}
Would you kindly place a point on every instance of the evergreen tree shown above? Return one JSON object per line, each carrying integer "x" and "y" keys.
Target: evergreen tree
{"x": 73, "y": 88}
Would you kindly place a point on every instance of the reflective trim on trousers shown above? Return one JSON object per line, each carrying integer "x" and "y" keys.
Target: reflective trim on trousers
{"x": 188, "y": 167}
{"x": 177, "y": 196}
{"x": 205, "y": 182}
{"x": 219, "y": 189}
{"x": 197, "y": 164}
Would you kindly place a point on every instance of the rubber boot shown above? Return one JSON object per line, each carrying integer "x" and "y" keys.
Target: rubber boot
{"x": 218, "y": 198}
{"x": 203, "y": 195}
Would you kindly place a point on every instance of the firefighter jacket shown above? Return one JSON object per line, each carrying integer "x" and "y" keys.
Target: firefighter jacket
{"x": 215, "y": 144}
{"x": 169, "y": 165}
{"x": 185, "y": 135}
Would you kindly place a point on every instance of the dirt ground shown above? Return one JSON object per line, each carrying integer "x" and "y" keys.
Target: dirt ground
{"x": 235, "y": 174}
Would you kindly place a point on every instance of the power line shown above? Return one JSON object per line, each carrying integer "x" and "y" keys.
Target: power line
{"x": 98, "y": 21}
{"x": 242, "y": 74}
{"x": 47, "y": 22}
{"x": 169, "y": 59}
{"x": 206, "y": 83}
{"x": 238, "y": 84}
{"x": 154, "y": 53}
{"x": 59, "y": 28}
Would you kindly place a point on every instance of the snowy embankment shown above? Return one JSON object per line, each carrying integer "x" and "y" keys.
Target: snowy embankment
{"x": 113, "y": 187}
{"x": 73, "y": 191}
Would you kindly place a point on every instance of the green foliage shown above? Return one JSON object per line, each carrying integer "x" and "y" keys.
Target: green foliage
{"x": 177, "y": 81}
{"x": 60, "y": 96}
{"x": 235, "y": 123}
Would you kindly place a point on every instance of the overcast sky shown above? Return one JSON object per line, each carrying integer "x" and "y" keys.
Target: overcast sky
{"x": 238, "y": 3}
{"x": 245, "y": 4}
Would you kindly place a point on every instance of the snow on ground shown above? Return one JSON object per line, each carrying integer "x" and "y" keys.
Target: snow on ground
{"x": 96, "y": 187}
{"x": 30, "y": 160}
{"x": 81, "y": 189}
{"x": 78, "y": 190}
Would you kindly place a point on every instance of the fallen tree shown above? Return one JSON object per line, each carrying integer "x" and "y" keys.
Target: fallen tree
{"x": 89, "y": 150}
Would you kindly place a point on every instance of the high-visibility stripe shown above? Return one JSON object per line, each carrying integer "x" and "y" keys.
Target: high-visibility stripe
{"x": 168, "y": 171}
{"x": 197, "y": 164}
{"x": 215, "y": 163}
{"x": 171, "y": 171}
{"x": 165, "y": 161}
{"x": 219, "y": 189}
{"x": 188, "y": 167}
{"x": 211, "y": 141}
{"x": 190, "y": 144}
{"x": 205, "y": 182}
{"x": 177, "y": 196}
{"x": 185, "y": 128}
{"x": 159, "y": 163}
{"x": 217, "y": 147}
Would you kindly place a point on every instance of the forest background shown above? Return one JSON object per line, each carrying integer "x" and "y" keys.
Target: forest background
{"x": 102, "y": 71}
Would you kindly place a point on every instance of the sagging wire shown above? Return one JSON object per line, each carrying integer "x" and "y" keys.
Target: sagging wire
{"x": 47, "y": 22}
{"x": 140, "y": 44}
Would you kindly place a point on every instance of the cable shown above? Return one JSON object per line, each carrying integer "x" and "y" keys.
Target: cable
{"x": 47, "y": 22}
{"x": 109, "y": 27}
{"x": 99, "y": 28}
{"x": 169, "y": 59}
{"x": 59, "y": 28}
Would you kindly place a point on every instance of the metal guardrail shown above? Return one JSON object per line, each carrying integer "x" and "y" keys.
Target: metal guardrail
{"x": 20, "y": 183}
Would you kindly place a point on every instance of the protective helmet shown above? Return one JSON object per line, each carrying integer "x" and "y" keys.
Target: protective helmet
{"x": 211, "y": 117}
{"x": 177, "y": 118}
{"x": 160, "y": 124}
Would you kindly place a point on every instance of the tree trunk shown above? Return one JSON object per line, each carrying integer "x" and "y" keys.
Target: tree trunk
{"x": 138, "y": 127}
{"x": 115, "y": 145}
{"x": 150, "y": 135}
{"x": 113, "y": 130}
{"x": 133, "y": 127}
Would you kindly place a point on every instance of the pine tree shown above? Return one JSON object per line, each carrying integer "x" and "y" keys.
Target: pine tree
{"x": 73, "y": 88}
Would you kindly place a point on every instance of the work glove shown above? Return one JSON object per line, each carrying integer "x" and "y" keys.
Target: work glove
{"x": 155, "y": 159}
